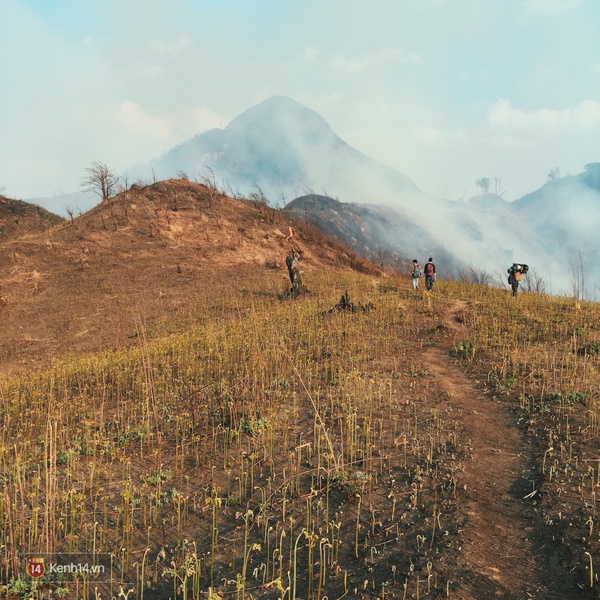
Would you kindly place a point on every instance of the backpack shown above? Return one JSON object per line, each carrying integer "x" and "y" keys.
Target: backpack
{"x": 429, "y": 269}
{"x": 416, "y": 273}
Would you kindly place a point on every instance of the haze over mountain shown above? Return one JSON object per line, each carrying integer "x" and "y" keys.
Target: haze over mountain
{"x": 284, "y": 150}
{"x": 74, "y": 202}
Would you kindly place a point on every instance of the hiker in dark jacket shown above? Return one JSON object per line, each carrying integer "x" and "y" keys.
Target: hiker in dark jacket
{"x": 515, "y": 274}
{"x": 430, "y": 275}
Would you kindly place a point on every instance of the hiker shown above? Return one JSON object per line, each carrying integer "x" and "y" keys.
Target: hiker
{"x": 415, "y": 274}
{"x": 515, "y": 274}
{"x": 429, "y": 274}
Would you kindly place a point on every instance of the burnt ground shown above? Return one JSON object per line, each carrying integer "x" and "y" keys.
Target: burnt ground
{"x": 506, "y": 552}
{"x": 64, "y": 293}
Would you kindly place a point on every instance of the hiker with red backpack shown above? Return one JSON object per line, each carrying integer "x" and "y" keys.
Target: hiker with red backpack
{"x": 429, "y": 274}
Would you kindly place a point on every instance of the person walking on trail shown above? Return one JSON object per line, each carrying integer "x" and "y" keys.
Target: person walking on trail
{"x": 515, "y": 274}
{"x": 430, "y": 275}
{"x": 415, "y": 274}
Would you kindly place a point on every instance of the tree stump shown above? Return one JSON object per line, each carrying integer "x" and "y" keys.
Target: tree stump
{"x": 291, "y": 261}
{"x": 346, "y": 304}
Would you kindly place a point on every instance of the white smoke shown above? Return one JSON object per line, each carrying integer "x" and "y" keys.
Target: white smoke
{"x": 286, "y": 151}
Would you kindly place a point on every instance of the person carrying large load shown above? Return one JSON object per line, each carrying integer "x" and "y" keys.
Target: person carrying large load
{"x": 515, "y": 274}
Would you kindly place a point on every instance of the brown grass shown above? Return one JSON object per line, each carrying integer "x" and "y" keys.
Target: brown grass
{"x": 142, "y": 256}
{"x": 161, "y": 403}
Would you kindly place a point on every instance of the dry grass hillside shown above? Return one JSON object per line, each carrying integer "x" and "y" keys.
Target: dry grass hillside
{"x": 18, "y": 218}
{"x": 227, "y": 444}
{"x": 143, "y": 258}
{"x": 223, "y": 443}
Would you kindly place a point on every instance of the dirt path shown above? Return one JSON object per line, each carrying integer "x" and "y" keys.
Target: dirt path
{"x": 498, "y": 560}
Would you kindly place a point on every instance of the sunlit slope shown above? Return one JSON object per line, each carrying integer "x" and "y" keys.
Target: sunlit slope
{"x": 144, "y": 257}
{"x": 281, "y": 445}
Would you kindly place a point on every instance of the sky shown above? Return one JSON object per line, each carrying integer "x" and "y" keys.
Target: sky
{"x": 445, "y": 91}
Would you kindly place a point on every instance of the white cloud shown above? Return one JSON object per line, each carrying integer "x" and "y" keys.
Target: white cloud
{"x": 585, "y": 115}
{"x": 430, "y": 136}
{"x": 509, "y": 141}
{"x": 167, "y": 128}
{"x": 145, "y": 71}
{"x": 386, "y": 56}
{"x": 310, "y": 54}
{"x": 133, "y": 117}
{"x": 200, "y": 118}
{"x": 400, "y": 55}
{"x": 551, "y": 7}
{"x": 170, "y": 49}
{"x": 349, "y": 65}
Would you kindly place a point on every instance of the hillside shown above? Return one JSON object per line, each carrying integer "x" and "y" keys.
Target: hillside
{"x": 565, "y": 213}
{"x": 387, "y": 236}
{"x": 146, "y": 257}
{"x": 422, "y": 446}
{"x": 283, "y": 151}
{"x": 164, "y": 407}
{"x": 18, "y": 218}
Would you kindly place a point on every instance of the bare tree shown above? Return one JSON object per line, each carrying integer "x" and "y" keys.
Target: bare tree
{"x": 71, "y": 212}
{"x": 473, "y": 275}
{"x": 211, "y": 184}
{"x": 535, "y": 283}
{"x": 291, "y": 261}
{"x": 578, "y": 281}
{"x": 101, "y": 180}
{"x": 261, "y": 201}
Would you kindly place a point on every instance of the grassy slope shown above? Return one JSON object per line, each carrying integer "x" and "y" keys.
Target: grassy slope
{"x": 274, "y": 445}
{"x": 142, "y": 257}
{"x": 542, "y": 356}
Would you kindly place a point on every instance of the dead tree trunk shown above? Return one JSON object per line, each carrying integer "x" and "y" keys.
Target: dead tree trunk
{"x": 291, "y": 261}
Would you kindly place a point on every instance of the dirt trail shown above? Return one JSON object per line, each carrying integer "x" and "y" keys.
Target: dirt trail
{"x": 498, "y": 560}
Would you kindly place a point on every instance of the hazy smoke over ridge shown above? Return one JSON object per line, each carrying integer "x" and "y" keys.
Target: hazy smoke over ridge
{"x": 288, "y": 151}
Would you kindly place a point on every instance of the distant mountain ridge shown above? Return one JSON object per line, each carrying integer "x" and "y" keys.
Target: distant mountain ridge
{"x": 382, "y": 234}
{"x": 284, "y": 151}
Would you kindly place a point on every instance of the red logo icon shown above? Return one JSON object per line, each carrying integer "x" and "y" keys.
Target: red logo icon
{"x": 36, "y": 567}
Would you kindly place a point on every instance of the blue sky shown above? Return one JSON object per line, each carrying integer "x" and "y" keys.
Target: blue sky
{"x": 446, "y": 91}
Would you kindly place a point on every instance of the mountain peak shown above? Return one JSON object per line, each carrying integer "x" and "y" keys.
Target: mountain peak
{"x": 276, "y": 106}
{"x": 284, "y": 116}
{"x": 278, "y": 103}
{"x": 285, "y": 149}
